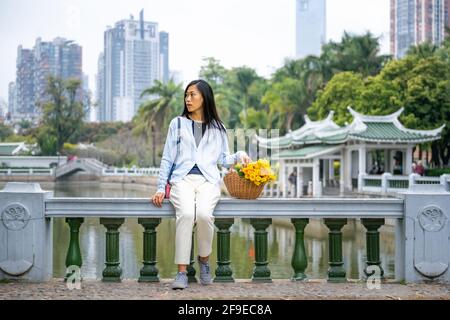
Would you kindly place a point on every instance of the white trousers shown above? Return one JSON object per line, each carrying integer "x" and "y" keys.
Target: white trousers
{"x": 194, "y": 199}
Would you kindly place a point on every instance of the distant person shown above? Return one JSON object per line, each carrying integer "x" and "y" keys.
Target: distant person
{"x": 397, "y": 167}
{"x": 413, "y": 167}
{"x": 420, "y": 169}
{"x": 293, "y": 180}
{"x": 196, "y": 142}
{"x": 375, "y": 169}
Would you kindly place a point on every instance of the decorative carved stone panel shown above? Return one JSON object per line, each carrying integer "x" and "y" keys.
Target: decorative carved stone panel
{"x": 15, "y": 217}
{"x": 431, "y": 256}
{"x": 432, "y": 218}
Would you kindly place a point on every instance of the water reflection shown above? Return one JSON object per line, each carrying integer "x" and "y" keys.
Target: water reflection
{"x": 281, "y": 237}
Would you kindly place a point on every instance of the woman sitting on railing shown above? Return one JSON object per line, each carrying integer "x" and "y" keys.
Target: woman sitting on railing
{"x": 196, "y": 142}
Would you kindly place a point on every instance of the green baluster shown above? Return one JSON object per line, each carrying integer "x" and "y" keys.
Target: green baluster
{"x": 261, "y": 272}
{"x": 73, "y": 257}
{"x": 299, "y": 258}
{"x": 149, "y": 272}
{"x": 112, "y": 272}
{"x": 190, "y": 268}
{"x": 336, "y": 272}
{"x": 373, "y": 246}
{"x": 223, "y": 271}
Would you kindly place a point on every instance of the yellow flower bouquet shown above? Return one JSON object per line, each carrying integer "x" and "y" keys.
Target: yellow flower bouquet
{"x": 247, "y": 181}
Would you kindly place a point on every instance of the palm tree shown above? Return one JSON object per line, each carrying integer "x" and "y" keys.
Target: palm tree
{"x": 152, "y": 113}
{"x": 213, "y": 72}
{"x": 423, "y": 50}
{"x": 241, "y": 79}
{"x": 286, "y": 98}
{"x": 354, "y": 53}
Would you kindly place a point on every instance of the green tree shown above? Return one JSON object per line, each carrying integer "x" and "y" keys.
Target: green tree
{"x": 62, "y": 114}
{"x": 357, "y": 53}
{"x": 240, "y": 80}
{"x": 5, "y": 132}
{"x": 47, "y": 141}
{"x": 423, "y": 50}
{"x": 152, "y": 114}
{"x": 341, "y": 91}
{"x": 256, "y": 119}
{"x": 213, "y": 72}
{"x": 285, "y": 101}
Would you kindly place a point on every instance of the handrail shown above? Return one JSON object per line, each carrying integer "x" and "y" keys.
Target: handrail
{"x": 228, "y": 208}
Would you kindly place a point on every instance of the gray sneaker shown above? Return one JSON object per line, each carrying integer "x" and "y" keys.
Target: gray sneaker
{"x": 181, "y": 281}
{"x": 205, "y": 274}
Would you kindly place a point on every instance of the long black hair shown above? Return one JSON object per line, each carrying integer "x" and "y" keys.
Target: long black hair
{"x": 210, "y": 115}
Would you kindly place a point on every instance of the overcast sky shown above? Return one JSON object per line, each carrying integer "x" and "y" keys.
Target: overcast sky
{"x": 256, "y": 33}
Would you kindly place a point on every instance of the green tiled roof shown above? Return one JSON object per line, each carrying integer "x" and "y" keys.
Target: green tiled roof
{"x": 366, "y": 128}
{"x": 304, "y": 152}
{"x": 387, "y": 131}
{"x": 310, "y": 138}
{"x": 7, "y": 150}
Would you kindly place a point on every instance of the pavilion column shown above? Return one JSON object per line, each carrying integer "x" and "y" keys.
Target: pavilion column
{"x": 299, "y": 181}
{"x": 348, "y": 169}
{"x": 294, "y": 186}
{"x": 387, "y": 161}
{"x": 361, "y": 165}
{"x": 315, "y": 178}
{"x": 285, "y": 179}
{"x": 341, "y": 174}
{"x": 362, "y": 159}
{"x": 331, "y": 169}
{"x": 408, "y": 161}
{"x": 325, "y": 172}
{"x": 288, "y": 183}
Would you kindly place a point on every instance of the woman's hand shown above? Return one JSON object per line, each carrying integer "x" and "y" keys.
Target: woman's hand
{"x": 158, "y": 198}
{"x": 245, "y": 159}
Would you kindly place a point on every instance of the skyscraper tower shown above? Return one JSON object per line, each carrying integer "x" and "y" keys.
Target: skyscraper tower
{"x": 417, "y": 21}
{"x": 25, "y": 82}
{"x": 131, "y": 63}
{"x": 164, "y": 55}
{"x": 60, "y": 58}
{"x": 310, "y": 27}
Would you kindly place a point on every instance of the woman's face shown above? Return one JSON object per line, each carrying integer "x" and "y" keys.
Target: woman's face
{"x": 193, "y": 99}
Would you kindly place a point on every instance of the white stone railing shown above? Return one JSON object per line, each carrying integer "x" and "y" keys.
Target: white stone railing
{"x": 131, "y": 172}
{"x": 387, "y": 183}
{"x": 26, "y": 172}
{"x": 271, "y": 190}
{"x": 31, "y": 161}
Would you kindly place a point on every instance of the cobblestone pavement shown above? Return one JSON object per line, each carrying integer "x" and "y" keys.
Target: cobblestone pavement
{"x": 241, "y": 290}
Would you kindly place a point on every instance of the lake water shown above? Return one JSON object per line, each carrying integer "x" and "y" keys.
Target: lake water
{"x": 280, "y": 234}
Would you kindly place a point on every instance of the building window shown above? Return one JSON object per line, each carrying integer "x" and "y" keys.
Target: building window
{"x": 151, "y": 30}
{"x": 304, "y": 5}
{"x": 132, "y": 29}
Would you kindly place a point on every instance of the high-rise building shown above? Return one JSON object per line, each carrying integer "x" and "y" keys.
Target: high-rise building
{"x": 12, "y": 98}
{"x": 447, "y": 14}
{"x": 3, "y": 110}
{"x": 60, "y": 58}
{"x": 310, "y": 27}
{"x": 25, "y": 82}
{"x": 131, "y": 64}
{"x": 164, "y": 55}
{"x": 417, "y": 21}
{"x": 100, "y": 88}
{"x": 87, "y": 105}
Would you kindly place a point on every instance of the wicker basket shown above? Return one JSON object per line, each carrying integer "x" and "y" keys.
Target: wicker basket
{"x": 241, "y": 188}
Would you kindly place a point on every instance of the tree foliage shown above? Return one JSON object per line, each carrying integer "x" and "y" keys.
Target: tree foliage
{"x": 62, "y": 114}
